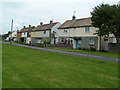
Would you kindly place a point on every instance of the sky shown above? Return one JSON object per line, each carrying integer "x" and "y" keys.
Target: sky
{"x": 32, "y": 12}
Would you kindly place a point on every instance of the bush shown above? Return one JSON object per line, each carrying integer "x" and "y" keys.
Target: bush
{"x": 84, "y": 48}
{"x": 46, "y": 42}
{"x": 92, "y": 49}
{"x": 80, "y": 48}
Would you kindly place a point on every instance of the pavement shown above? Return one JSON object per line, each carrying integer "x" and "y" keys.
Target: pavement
{"x": 69, "y": 53}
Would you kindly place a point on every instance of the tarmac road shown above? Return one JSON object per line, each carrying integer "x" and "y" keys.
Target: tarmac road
{"x": 69, "y": 53}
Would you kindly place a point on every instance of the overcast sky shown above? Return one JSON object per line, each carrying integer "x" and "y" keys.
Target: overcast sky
{"x": 32, "y": 12}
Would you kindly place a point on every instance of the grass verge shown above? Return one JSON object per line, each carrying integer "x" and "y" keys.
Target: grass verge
{"x": 107, "y": 54}
{"x": 28, "y": 68}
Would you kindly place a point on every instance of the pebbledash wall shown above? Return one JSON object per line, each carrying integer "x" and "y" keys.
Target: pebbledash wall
{"x": 39, "y": 39}
{"x": 85, "y": 42}
{"x": 112, "y": 47}
{"x": 44, "y": 35}
{"x": 82, "y": 34}
{"x": 52, "y": 45}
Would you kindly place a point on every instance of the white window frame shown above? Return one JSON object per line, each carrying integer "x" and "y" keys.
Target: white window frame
{"x": 65, "y": 30}
{"x": 45, "y": 32}
{"x": 91, "y": 41}
{"x": 79, "y": 41}
{"x": 87, "y": 29}
{"x": 71, "y": 41}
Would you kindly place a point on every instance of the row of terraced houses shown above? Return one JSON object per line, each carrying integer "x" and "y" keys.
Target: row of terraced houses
{"x": 78, "y": 33}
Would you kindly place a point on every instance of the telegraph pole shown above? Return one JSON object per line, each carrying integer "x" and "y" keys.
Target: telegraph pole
{"x": 11, "y": 32}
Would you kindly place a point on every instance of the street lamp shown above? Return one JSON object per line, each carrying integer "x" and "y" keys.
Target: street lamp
{"x": 119, "y": 3}
{"x": 11, "y": 32}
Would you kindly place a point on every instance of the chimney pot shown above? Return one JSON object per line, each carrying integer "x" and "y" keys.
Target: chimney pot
{"x": 29, "y": 25}
{"x": 73, "y": 17}
{"x": 23, "y": 26}
{"x": 41, "y": 23}
{"x": 51, "y": 21}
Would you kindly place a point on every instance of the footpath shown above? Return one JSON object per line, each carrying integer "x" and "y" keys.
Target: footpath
{"x": 69, "y": 53}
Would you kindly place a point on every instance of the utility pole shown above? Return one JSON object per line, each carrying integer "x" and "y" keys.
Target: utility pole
{"x": 74, "y": 12}
{"x": 119, "y": 3}
{"x": 11, "y": 32}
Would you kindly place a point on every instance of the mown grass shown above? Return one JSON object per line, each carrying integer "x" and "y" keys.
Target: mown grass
{"x": 0, "y": 66}
{"x": 28, "y": 68}
{"x": 107, "y": 54}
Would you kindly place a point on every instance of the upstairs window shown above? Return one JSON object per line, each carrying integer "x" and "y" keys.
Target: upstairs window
{"x": 80, "y": 41}
{"x": 15, "y": 35}
{"x": 87, "y": 29}
{"x": 54, "y": 32}
{"x": 65, "y": 30}
{"x": 44, "y": 32}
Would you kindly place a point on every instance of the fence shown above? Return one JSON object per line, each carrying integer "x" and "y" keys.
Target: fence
{"x": 52, "y": 45}
{"x": 112, "y": 47}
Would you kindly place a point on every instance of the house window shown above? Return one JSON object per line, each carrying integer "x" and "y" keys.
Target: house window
{"x": 71, "y": 41}
{"x": 91, "y": 42}
{"x": 65, "y": 30}
{"x": 54, "y": 32}
{"x": 79, "y": 41}
{"x": 87, "y": 29}
{"x": 68, "y": 41}
{"x": 44, "y": 32}
{"x": 62, "y": 40}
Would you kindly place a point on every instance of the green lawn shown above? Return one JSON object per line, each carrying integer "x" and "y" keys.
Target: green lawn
{"x": 107, "y": 54}
{"x": 28, "y": 68}
{"x": 0, "y": 66}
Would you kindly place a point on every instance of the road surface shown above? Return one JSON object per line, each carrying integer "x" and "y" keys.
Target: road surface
{"x": 69, "y": 53}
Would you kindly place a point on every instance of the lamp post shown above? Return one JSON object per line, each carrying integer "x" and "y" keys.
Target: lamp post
{"x": 118, "y": 31}
{"x": 119, "y": 3}
{"x": 54, "y": 37}
{"x": 11, "y": 32}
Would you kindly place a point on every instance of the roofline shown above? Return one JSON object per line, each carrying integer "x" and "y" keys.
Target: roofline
{"x": 74, "y": 20}
{"x": 43, "y": 25}
{"x": 48, "y": 23}
{"x": 83, "y": 18}
{"x": 74, "y": 27}
{"x": 41, "y": 30}
{"x": 78, "y": 19}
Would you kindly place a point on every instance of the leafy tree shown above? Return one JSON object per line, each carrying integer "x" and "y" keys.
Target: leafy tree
{"x": 107, "y": 18}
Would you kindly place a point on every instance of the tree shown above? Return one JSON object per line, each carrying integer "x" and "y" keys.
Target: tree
{"x": 107, "y": 18}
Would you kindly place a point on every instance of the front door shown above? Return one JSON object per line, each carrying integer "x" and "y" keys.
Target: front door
{"x": 54, "y": 40}
{"x": 77, "y": 45}
{"x": 106, "y": 45}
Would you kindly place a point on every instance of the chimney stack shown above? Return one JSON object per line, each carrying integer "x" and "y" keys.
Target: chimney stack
{"x": 41, "y": 23}
{"x": 73, "y": 17}
{"x": 51, "y": 21}
{"x": 29, "y": 25}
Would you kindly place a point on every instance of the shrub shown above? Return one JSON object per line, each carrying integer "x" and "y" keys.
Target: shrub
{"x": 92, "y": 49}
{"x": 84, "y": 48}
{"x": 80, "y": 48}
{"x": 46, "y": 42}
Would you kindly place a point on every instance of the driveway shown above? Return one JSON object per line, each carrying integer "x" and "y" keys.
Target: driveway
{"x": 69, "y": 53}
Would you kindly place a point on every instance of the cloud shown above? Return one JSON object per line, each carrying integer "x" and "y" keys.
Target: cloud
{"x": 19, "y": 23}
{"x": 49, "y": 1}
{"x": 34, "y": 11}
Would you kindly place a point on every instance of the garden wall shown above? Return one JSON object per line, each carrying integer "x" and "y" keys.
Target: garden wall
{"x": 52, "y": 45}
{"x": 112, "y": 47}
